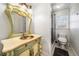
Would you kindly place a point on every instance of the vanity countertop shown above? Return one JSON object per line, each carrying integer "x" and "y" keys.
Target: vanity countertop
{"x": 12, "y": 43}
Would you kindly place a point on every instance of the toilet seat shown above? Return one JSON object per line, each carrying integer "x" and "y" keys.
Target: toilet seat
{"x": 62, "y": 39}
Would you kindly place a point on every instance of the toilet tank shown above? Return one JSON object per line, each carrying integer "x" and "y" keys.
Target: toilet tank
{"x": 62, "y": 33}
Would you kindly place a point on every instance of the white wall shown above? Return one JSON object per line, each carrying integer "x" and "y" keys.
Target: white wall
{"x": 42, "y": 25}
{"x": 4, "y": 28}
{"x": 3, "y": 23}
{"x": 74, "y": 26}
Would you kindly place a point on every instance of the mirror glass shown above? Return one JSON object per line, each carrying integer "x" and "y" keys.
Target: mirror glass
{"x": 19, "y": 23}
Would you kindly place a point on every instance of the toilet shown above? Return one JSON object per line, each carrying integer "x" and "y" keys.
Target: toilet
{"x": 62, "y": 40}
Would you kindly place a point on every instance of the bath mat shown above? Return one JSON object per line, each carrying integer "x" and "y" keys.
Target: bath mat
{"x": 60, "y": 52}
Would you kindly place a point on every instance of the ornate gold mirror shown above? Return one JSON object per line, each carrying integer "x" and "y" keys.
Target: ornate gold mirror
{"x": 10, "y": 9}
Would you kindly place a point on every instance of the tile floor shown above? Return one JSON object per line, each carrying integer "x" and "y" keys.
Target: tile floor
{"x": 68, "y": 48}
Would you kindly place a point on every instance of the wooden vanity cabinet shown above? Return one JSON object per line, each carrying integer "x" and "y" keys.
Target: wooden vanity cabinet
{"x": 17, "y": 47}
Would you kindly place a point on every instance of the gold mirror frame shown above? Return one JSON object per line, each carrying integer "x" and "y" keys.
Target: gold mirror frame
{"x": 16, "y": 9}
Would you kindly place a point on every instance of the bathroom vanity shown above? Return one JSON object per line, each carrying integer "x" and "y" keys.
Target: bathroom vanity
{"x": 22, "y": 47}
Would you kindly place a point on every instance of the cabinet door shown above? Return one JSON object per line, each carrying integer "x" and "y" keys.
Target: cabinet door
{"x": 25, "y": 53}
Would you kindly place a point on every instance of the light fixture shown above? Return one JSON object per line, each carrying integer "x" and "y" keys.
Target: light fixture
{"x": 58, "y": 6}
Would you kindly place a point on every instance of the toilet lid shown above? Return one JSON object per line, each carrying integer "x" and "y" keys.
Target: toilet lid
{"x": 62, "y": 39}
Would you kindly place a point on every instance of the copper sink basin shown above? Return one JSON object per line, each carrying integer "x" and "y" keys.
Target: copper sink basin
{"x": 26, "y": 36}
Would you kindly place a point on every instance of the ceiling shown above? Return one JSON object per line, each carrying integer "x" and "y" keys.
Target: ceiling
{"x": 59, "y": 6}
